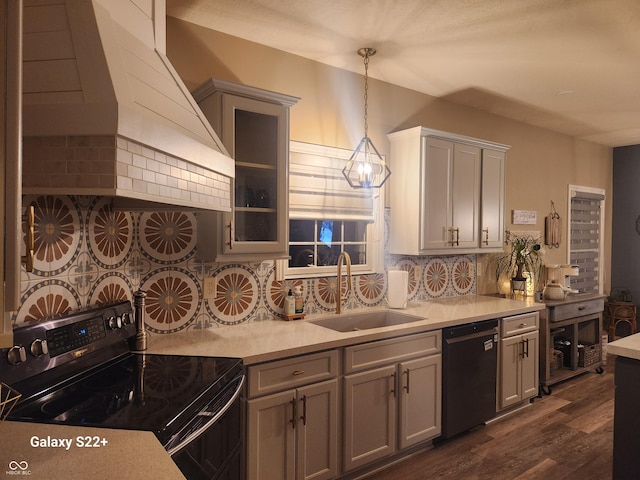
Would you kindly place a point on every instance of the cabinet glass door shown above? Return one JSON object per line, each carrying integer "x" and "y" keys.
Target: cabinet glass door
{"x": 256, "y": 185}
{"x": 258, "y": 143}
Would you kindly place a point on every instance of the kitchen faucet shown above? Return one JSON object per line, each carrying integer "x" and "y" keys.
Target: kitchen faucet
{"x": 347, "y": 259}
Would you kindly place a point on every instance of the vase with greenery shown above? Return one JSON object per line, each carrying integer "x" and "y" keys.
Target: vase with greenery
{"x": 521, "y": 258}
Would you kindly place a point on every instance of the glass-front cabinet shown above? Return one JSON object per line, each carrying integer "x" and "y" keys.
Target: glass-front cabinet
{"x": 254, "y": 127}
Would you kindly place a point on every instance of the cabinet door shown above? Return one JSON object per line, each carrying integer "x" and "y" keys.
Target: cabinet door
{"x": 317, "y": 431}
{"x": 256, "y": 135}
{"x": 420, "y": 400}
{"x": 271, "y": 437}
{"x": 437, "y": 188}
{"x": 492, "y": 201}
{"x": 466, "y": 196}
{"x": 452, "y": 195}
{"x": 530, "y": 365}
{"x": 369, "y": 416}
{"x": 511, "y": 351}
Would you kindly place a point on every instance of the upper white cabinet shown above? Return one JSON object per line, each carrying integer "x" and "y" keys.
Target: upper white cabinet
{"x": 492, "y": 199}
{"x": 254, "y": 127}
{"x": 447, "y": 193}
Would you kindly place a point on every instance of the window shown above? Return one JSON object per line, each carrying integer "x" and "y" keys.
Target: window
{"x": 586, "y": 237}
{"x": 318, "y": 243}
{"x": 327, "y": 216}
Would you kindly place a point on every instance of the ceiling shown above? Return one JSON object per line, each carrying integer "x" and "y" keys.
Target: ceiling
{"x": 572, "y": 66}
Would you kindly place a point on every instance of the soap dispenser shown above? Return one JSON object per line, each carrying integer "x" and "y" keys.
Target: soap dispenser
{"x": 289, "y": 303}
{"x": 299, "y": 305}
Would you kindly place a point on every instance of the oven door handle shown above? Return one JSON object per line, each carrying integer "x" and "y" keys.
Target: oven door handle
{"x": 215, "y": 416}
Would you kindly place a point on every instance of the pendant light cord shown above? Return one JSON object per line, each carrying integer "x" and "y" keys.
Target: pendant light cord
{"x": 366, "y": 94}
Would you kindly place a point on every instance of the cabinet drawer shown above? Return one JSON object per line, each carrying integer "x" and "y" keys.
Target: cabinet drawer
{"x": 292, "y": 372}
{"x": 527, "y": 322}
{"x": 384, "y": 352}
{"x": 577, "y": 309}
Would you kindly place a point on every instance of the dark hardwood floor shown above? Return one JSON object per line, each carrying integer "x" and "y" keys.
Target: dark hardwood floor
{"x": 565, "y": 435}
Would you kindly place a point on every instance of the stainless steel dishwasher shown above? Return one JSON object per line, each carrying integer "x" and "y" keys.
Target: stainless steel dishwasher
{"x": 470, "y": 357}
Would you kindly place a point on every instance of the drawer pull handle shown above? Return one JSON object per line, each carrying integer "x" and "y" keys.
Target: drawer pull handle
{"x": 230, "y": 242}
{"x": 395, "y": 381}
{"x": 294, "y": 412}
{"x": 581, "y": 307}
{"x": 304, "y": 410}
{"x": 406, "y": 387}
{"x": 298, "y": 372}
{"x": 522, "y": 325}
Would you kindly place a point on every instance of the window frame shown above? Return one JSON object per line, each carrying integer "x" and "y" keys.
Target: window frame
{"x": 374, "y": 227}
{"x": 573, "y": 191}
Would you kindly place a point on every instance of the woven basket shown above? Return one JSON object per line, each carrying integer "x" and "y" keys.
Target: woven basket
{"x": 589, "y": 354}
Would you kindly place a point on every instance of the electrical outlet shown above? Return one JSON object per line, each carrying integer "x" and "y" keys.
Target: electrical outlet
{"x": 417, "y": 273}
{"x": 210, "y": 288}
{"x": 479, "y": 267}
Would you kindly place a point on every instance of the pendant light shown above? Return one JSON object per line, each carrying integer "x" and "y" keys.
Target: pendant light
{"x": 366, "y": 168}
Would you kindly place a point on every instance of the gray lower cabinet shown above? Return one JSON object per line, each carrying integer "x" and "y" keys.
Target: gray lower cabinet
{"x": 293, "y": 434}
{"x": 392, "y": 396}
{"x": 518, "y": 359}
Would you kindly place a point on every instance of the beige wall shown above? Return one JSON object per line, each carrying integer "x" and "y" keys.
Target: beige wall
{"x": 540, "y": 166}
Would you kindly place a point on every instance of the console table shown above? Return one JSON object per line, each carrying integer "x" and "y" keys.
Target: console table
{"x": 570, "y": 338}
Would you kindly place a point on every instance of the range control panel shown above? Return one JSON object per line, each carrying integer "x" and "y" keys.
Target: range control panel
{"x": 52, "y": 343}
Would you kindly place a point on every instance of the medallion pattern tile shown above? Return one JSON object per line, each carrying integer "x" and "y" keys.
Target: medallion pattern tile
{"x": 436, "y": 277}
{"x": 172, "y": 299}
{"x": 167, "y": 237}
{"x": 58, "y": 234}
{"x": 370, "y": 289}
{"x": 110, "y": 234}
{"x": 237, "y": 297}
{"x": 90, "y": 254}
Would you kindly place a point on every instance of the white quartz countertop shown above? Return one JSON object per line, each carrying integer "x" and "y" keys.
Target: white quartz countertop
{"x": 274, "y": 339}
{"x": 59, "y": 452}
{"x": 626, "y": 347}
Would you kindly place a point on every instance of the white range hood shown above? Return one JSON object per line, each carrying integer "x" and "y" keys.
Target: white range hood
{"x": 105, "y": 113}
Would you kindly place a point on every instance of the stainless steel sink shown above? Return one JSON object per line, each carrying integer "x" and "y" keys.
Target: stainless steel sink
{"x": 365, "y": 320}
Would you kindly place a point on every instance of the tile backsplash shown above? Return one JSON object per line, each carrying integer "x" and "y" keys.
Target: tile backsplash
{"x": 87, "y": 254}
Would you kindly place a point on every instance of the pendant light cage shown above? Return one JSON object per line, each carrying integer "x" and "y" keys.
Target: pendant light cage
{"x": 366, "y": 168}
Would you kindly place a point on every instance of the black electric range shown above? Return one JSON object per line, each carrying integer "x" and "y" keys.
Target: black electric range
{"x": 80, "y": 370}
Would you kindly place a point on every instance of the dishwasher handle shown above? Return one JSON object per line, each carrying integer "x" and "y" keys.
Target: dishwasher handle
{"x": 482, "y": 333}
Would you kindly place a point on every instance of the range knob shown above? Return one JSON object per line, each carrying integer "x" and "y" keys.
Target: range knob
{"x": 39, "y": 347}
{"x": 126, "y": 318}
{"x": 16, "y": 355}
{"x": 115, "y": 323}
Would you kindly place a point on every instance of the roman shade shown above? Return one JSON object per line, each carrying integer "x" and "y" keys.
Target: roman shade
{"x": 317, "y": 188}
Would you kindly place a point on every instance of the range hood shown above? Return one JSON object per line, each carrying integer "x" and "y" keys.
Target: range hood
{"x": 105, "y": 112}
